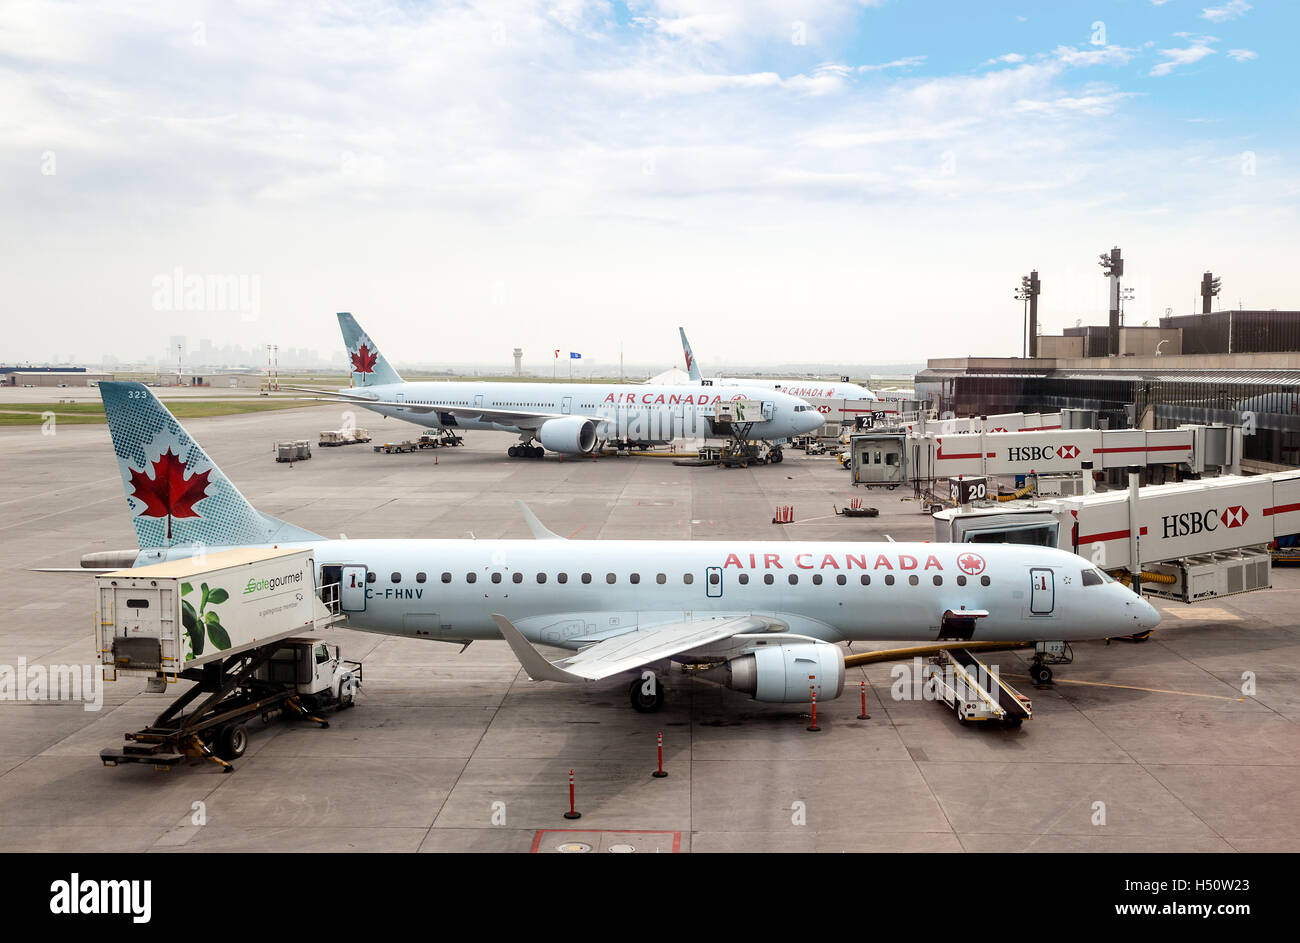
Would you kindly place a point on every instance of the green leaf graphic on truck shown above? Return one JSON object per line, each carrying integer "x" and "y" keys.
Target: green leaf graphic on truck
{"x": 203, "y": 622}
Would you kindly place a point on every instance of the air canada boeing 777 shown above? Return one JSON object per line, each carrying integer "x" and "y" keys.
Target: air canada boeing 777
{"x": 765, "y": 616}
{"x": 569, "y": 418}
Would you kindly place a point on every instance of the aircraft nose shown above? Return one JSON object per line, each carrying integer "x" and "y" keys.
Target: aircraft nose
{"x": 1147, "y": 616}
{"x": 810, "y": 420}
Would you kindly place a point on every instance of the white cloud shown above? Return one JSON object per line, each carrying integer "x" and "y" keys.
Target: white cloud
{"x": 1186, "y": 55}
{"x": 906, "y": 62}
{"x": 1010, "y": 58}
{"x": 1092, "y": 55}
{"x": 1229, "y": 11}
{"x": 1242, "y": 55}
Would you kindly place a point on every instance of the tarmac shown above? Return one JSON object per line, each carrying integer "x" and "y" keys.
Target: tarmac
{"x": 1149, "y": 746}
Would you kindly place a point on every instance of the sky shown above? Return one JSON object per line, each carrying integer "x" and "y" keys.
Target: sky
{"x": 790, "y": 180}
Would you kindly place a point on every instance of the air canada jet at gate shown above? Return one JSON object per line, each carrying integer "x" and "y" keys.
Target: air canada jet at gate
{"x": 765, "y": 615}
{"x": 569, "y": 418}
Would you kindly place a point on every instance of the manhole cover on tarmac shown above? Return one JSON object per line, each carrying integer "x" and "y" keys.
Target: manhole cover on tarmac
{"x": 573, "y": 848}
{"x": 606, "y": 841}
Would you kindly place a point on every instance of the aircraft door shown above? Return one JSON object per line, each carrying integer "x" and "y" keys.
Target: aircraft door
{"x": 478, "y": 400}
{"x": 1042, "y": 592}
{"x": 566, "y": 405}
{"x": 713, "y": 581}
{"x": 352, "y": 589}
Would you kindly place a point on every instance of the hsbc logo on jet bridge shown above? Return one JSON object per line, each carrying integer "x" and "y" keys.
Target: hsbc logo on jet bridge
{"x": 1203, "y": 522}
{"x": 1040, "y": 453}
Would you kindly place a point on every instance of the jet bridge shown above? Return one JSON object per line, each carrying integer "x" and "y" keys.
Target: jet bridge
{"x": 1190, "y": 541}
{"x": 926, "y": 457}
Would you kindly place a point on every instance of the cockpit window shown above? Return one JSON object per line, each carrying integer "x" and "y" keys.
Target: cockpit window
{"x": 1091, "y": 578}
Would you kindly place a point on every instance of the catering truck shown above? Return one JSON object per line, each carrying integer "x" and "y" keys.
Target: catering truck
{"x": 234, "y": 623}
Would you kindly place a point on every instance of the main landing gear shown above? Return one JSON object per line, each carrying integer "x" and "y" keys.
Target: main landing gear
{"x": 525, "y": 451}
{"x": 646, "y": 693}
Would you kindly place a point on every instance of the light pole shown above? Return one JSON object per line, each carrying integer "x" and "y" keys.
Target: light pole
{"x": 1112, "y": 265}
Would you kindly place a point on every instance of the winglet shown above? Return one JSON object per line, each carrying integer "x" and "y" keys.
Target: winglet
{"x": 538, "y": 668}
{"x": 540, "y": 530}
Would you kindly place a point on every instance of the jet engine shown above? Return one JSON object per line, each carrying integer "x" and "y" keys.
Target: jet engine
{"x": 783, "y": 673}
{"x": 572, "y": 435}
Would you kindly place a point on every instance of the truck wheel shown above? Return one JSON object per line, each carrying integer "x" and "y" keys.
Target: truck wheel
{"x": 347, "y": 697}
{"x": 232, "y": 742}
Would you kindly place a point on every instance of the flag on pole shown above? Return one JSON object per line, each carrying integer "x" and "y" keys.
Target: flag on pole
{"x": 557, "y": 352}
{"x": 573, "y": 356}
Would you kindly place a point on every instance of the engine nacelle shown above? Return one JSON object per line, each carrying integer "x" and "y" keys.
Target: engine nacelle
{"x": 572, "y": 435}
{"x": 779, "y": 673}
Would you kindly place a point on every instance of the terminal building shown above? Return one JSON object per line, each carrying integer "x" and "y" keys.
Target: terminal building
{"x": 1235, "y": 367}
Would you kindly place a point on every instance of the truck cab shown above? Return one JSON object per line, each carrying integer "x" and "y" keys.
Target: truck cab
{"x": 319, "y": 674}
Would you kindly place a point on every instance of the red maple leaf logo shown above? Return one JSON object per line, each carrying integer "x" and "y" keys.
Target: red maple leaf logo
{"x": 169, "y": 493}
{"x": 363, "y": 361}
{"x": 971, "y": 563}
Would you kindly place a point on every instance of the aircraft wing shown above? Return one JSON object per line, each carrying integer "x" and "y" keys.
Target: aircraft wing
{"x": 627, "y": 651}
{"x": 521, "y": 418}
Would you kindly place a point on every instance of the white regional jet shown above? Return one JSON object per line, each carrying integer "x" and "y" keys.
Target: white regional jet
{"x": 811, "y": 389}
{"x": 569, "y": 418}
{"x": 766, "y": 615}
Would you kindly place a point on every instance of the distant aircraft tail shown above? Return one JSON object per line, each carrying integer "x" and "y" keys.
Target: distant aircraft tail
{"x": 369, "y": 368}
{"x": 177, "y": 494}
{"x": 692, "y": 367}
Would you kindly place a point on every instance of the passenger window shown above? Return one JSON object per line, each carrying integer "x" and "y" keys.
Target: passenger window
{"x": 517, "y": 577}
{"x": 586, "y": 577}
{"x": 610, "y": 578}
{"x": 938, "y": 580}
{"x": 817, "y": 579}
{"x": 865, "y": 580}
{"x": 889, "y": 579}
{"x": 688, "y": 578}
{"x": 397, "y": 577}
{"x": 496, "y": 577}
{"x": 984, "y": 581}
{"x": 541, "y": 577}
{"x": 562, "y": 577}
{"x": 471, "y": 577}
{"x": 422, "y": 576}
{"x": 794, "y": 579}
{"x": 661, "y": 578}
{"x": 961, "y": 581}
{"x": 371, "y": 576}
{"x": 446, "y": 578}
{"x": 743, "y": 579}
{"x": 841, "y": 579}
{"x": 912, "y": 580}
{"x": 767, "y": 578}
{"x": 635, "y": 578}
{"x": 1090, "y": 578}
{"x": 714, "y": 579}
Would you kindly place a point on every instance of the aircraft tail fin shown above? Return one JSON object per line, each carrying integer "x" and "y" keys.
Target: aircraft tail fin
{"x": 369, "y": 368}
{"x": 692, "y": 367}
{"x": 176, "y": 493}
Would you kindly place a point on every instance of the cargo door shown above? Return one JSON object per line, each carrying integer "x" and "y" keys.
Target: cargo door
{"x": 352, "y": 589}
{"x": 713, "y": 582}
{"x": 1042, "y": 591}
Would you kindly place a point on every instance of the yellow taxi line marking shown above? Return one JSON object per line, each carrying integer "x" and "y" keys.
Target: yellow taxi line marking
{"x": 1130, "y": 687}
